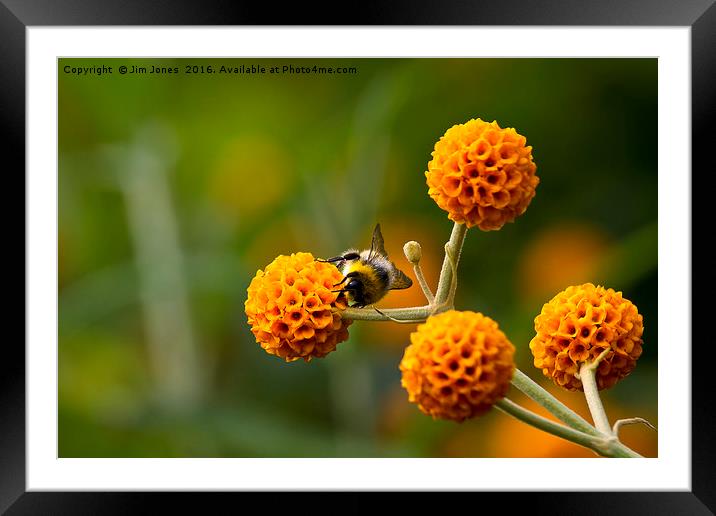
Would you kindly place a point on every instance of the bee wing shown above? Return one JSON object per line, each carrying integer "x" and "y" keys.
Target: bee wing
{"x": 377, "y": 246}
{"x": 399, "y": 280}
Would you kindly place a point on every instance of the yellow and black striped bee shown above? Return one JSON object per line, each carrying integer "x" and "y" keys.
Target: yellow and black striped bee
{"x": 368, "y": 275}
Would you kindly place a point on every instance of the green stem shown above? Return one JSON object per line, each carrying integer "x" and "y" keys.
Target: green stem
{"x": 423, "y": 284}
{"x": 556, "y": 407}
{"x": 607, "y": 446}
{"x": 529, "y": 417}
{"x": 619, "y": 450}
{"x": 452, "y": 256}
{"x": 416, "y": 314}
{"x": 591, "y": 392}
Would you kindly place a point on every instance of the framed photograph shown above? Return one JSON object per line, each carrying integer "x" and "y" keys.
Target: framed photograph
{"x": 431, "y": 254}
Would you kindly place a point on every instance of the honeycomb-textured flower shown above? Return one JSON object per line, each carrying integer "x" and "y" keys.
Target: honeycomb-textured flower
{"x": 458, "y": 365}
{"x": 580, "y": 323}
{"x": 292, "y": 310}
{"x": 482, "y": 175}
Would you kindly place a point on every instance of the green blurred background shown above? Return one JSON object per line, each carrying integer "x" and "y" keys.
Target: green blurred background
{"x": 174, "y": 189}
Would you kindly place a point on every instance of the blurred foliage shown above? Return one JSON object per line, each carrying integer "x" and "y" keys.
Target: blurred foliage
{"x": 174, "y": 189}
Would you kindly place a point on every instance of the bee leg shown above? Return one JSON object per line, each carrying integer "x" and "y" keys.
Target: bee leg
{"x": 330, "y": 260}
{"x": 344, "y": 290}
{"x": 346, "y": 277}
{"x": 348, "y": 256}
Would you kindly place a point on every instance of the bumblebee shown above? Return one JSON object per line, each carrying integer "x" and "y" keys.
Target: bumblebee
{"x": 368, "y": 275}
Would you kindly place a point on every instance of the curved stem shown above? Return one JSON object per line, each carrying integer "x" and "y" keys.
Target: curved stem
{"x": 423, "y": 284}
{"x": 591, "y": 393}
{"x": 556, "y": 407}
{"x": 453, "y": 249}
{"x": 630, "y": 421}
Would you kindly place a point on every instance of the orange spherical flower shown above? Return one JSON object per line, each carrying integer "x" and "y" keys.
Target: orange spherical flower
{"x": 292, "y": 309}
{"x": 458, "y": 365}
{"x": 580, "y": 323}
{"x": 482, "y": 175}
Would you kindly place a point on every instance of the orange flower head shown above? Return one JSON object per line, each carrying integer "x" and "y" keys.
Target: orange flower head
{"x": 458, "y": 365}
{"x": 482, "y": 175}
{"x": 292, "y": 309}
{"x": 579, "y": 324}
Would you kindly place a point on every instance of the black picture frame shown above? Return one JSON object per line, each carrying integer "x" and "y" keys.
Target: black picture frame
{"x": 17, "y": 15}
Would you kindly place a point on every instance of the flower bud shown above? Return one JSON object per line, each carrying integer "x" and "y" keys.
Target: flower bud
{"x": 413, "y": 252}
